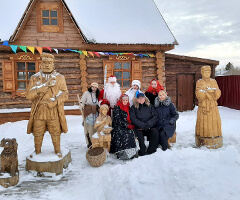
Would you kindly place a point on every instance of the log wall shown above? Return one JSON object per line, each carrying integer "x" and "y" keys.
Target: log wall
{"x": 66, "y": 63}
{"x": 175, "y": 66}
{"x": 30, "y": 37}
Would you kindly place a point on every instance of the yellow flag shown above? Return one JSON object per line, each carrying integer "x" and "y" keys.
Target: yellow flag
{"x": 85, "y": 53}
{"x": 32, "y": 49}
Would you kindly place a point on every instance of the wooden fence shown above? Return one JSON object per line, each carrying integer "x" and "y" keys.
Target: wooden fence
{"x": 230, "y": 88}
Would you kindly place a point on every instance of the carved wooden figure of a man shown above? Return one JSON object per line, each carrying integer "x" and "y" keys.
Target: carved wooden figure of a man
{"x": 48, "y": 91}
{"x": 208, "y": 126}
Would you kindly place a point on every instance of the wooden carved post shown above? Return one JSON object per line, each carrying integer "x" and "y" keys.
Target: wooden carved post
{"x": 160, "y": 61}
{"x": 83, "y": 68}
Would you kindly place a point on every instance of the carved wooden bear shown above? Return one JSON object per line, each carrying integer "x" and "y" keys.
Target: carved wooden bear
{"x": 9, "y": 158}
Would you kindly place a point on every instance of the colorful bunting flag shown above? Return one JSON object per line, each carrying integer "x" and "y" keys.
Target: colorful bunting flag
{"x": 91, "y": 53}
{"x": 39, "y": 50}
{"x": 56, "y": 50}
{"x": 5, "y": 43}
{"x": 14, "y": 48}
{"x": 49, "y": 48}
{"x": 32, "y": 49}
{"x": 85, "y": 53}
{"x": 24, "y": 48}
{"x": 97, "y": 54}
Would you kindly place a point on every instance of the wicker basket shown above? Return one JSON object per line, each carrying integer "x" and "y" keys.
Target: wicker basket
{"x": 96, "y": 157}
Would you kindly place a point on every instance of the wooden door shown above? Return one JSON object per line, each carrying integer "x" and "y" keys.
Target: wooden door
{"x": 185, "y": 98}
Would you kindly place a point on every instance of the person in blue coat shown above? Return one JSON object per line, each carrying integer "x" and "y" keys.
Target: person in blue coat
{"x": 167, "y": 117}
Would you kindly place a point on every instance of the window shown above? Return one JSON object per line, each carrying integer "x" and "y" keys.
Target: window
{"x": 49, "y": 17}
{"x": 122, "y": 71}
{"x": 17, "y": 72}
{"x": 125, "y": 67}
{"x": 24, "y": 72}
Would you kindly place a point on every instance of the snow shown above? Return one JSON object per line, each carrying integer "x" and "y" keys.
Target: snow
{"x": 121, "y": 22}
{"x": 12, "y": 110}
{"x": 185, "y": 172}
{"x": 47, "y": 155}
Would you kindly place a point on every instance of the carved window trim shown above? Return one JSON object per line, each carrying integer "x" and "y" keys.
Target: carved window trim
{"x": 51, "y": 7}
{"x": 26, "y": 58}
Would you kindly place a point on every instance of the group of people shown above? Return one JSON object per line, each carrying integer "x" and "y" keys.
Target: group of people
{"x": 134, "y": 115}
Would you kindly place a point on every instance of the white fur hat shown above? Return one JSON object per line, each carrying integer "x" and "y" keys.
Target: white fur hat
{"x": 136, "y": 82}
{"x": 112, "y": 79}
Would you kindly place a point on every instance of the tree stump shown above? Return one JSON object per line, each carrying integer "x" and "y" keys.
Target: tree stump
{"x": 48, "y": 161}
{"x": 6, "y": 180}
{"x": 210, "y": 143}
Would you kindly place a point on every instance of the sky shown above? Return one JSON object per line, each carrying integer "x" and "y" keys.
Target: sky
{"x": 206, "y": 29}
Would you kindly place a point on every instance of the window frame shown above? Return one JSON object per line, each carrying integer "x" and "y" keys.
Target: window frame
{"x": 50, "y": 7}
{"x": 26, "y": 80}
{"x": 26, "y": 58}
{"x": 123, "y": 70}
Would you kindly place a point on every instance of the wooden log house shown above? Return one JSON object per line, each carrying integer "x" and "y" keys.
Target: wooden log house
{"x": 135, "y": 27}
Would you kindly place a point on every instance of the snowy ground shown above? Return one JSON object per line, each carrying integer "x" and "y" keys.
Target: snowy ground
{"x": 183, "y": 173}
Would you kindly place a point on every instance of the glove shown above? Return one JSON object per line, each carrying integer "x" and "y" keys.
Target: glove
{"x": 172, "y": 121}
{"x": 130, "y": 126}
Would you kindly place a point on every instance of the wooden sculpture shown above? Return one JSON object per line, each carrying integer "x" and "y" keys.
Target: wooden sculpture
{"x": 208, "y": 126}
{"x": 48, "y": 91}
{"x": 103, "y": 126}
{"x": 9, "y": 162}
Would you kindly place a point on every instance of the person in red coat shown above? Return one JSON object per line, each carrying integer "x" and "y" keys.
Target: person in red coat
{"x": 111, "y": 93}
{"x": 153, "y": 90}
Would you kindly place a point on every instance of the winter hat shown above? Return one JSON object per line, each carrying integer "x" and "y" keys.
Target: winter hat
{"x": 136, "y": 82}
{"x": 94, "y": 84}
{"x": 112, "y": 79}
{"x": 140, "y": 94}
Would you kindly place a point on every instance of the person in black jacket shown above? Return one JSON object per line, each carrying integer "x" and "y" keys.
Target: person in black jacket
{"x": 123, "y": 140}
{"x": 167, "y": 117}
{"x": 144, "y": 117}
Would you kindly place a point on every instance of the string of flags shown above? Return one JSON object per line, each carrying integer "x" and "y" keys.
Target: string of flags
{"x": 86, "y": 53}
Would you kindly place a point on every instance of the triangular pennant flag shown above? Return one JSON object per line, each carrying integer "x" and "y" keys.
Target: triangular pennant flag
{"x": 97, "y": 54}
{"x": 85, "y": 53}
{"x": 32, "y": 49}
{"x": 39, "y": 49}
{"x": 91, "y": 53}
{"x": 49, "y": 48}
{"x": 101, "y": 53}
{"x": 56, "y": 50}
{"x": 14, "y": 48}
{"x": 140, "y": 55}
{"x": 5, "y": 43}
{"x": 74, "y": 50}
{"x": 79, "y": 52}
{"x": 24, "y": 48}
{"x": 151, "y": 55}
{"x": 146, "y": 55}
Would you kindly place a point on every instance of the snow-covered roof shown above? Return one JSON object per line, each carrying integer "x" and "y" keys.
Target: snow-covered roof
{"x": 121, "y": 21}
{"x": 103, "y": 21}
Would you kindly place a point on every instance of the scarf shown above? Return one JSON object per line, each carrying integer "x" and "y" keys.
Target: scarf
{"x": 155, "y": 90}
{"x": 124, "y": 108}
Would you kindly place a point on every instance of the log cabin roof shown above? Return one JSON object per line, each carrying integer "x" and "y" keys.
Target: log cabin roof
{"x": 194, "y": 59}
{"x": 100, "y": 21}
